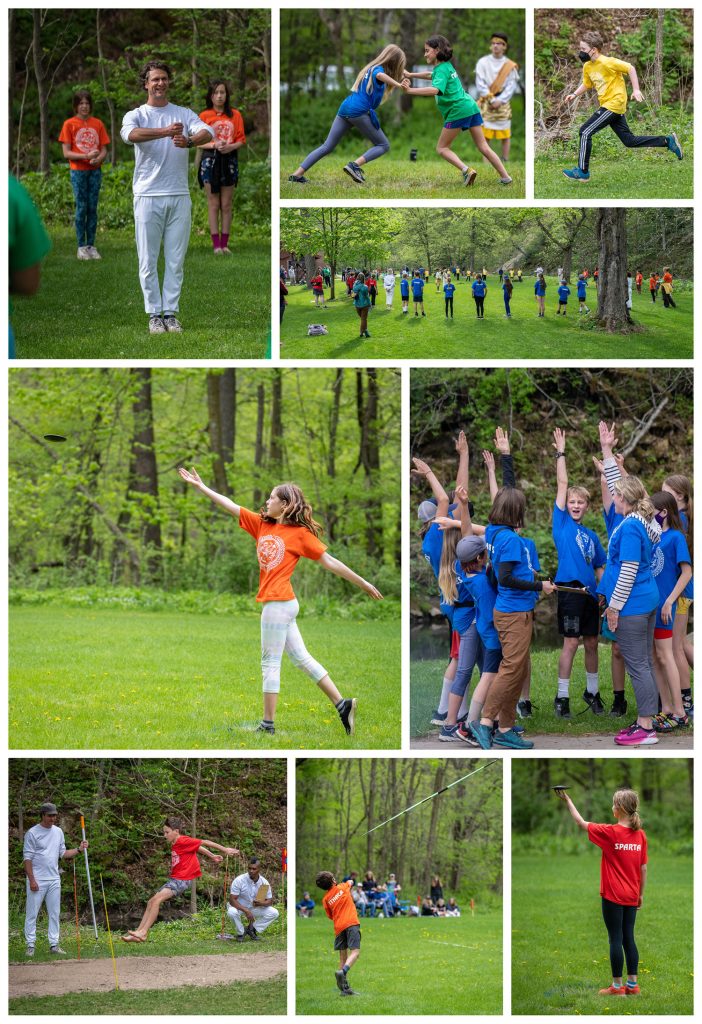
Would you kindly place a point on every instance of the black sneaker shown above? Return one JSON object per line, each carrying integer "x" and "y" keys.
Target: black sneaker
{"x": 299, "y": 179}
{"x": 594, "y": 702}
{"x": 561, "y": 706}
{"x": 524, "y": 709}
{"x": 252, "y": 933}
{"x": 265, "y": 727}
{"x": 340, "y": 980}
{"x": 618, "y": 705}
{"x": 438, "y": 718}
{"x": 347, "y": 714}
{"x": 241, "y": 938}
{"x": 355, "y": 172}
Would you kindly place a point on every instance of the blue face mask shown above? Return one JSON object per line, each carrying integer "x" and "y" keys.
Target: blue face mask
{"x": 660, "y": 518}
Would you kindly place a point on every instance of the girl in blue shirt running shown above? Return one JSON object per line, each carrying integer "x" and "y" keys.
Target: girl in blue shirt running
{"x": 373, "y": 85}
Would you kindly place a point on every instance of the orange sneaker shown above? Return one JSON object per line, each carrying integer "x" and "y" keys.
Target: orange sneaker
{"x": 632, "y": 990}
{"x": 612, "y": 991}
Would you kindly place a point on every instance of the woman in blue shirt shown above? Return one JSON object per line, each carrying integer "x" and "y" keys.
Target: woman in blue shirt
{"x": 373, "y": 85}
{"x": 479, "y": 288}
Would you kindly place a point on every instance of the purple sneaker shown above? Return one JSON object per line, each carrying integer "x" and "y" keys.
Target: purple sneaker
{"x": 636, "y": 736}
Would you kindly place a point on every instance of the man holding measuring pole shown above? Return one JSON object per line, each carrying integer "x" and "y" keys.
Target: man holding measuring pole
{"x": 44, "y": 846}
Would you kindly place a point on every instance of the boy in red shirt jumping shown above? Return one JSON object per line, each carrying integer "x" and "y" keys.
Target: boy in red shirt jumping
{"x": 185, "y": 868}
{"x": 341, "y": 910}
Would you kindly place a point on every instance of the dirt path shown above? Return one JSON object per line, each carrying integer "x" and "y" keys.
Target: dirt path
{"x": 556, "y": 741}
{"x": 141, "y": 972}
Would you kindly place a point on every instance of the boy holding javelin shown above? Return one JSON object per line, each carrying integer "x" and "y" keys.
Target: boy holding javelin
{"x": 606, "y": 76}
{"x": 341, "y": 910}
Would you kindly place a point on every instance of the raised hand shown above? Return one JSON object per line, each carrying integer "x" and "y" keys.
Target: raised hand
{"x": 559, "y": 439}
{"x": 421, "y": 468}
{"x": 501, "y": 441}
{"x": 461, "y": 443}
{"x": 489, "y": 460}
{"x": 608, "y": 437}
{"x": 190, "y": 476}
{"x": 461, "y": 495}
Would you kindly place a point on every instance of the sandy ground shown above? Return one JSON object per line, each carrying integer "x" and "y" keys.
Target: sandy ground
{"x": 557, "y": 741}
{"x": 141, "y": 972}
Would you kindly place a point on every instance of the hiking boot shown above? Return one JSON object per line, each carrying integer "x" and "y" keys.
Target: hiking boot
{"x": 156, "y": 325}
{"x": 577, "y": 175}
{"x": 438, "y": 717}
{"x": 448, "y": 733}
{"x": 172, "y": 324}
{"x": 594, "y": 702}
{"x": 265, "y": 727}
{"x": 561, "y": 707}
{"x": 512, "y": 741}
{"x": 469, "y": 176}
{"x": 347, "y": 714}
{"x": 299, "y": 179}
{"x": 354, "y": 172}
{"x": 618, "y": 705}
{"x": 524, "y": 709}
{"x": 674, "y": 146}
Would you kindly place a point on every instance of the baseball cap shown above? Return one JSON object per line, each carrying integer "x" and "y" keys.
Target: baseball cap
{"x": 426, "y": 511}
{"x": 468, "y": 548}
{"x": 48, "y": 808}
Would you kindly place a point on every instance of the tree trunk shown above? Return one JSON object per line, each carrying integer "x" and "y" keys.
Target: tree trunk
{"x": 227, "y": 402}
{"x": 408, "y": 34}
{"x": 42, "y": 91}
{"x": 332, "y": 516}
{"x": 258, "y": 447}
{"x": 431, "y": 839}
{"x": 310, "y": 268}
{"x": 266, "y": 53}
{"x": 658, "y": 60}
{"x": 275, "y": 449}
{"x": 108, "y": 95}
{"x": 612, "y": 313}
{"x": 370, "y": 815}
{"x": 144, "y": 483}
{"x": 193, "y": 828}
{"x": 214, "y": 427}
{"x": 11, "y": 58}
{"x": 369, "y": 458}
{"x": 195, "y": 42}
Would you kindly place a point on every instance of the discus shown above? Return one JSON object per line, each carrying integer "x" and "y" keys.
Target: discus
{"x": 54, "y": 437}
{"x": 560, "y": 789}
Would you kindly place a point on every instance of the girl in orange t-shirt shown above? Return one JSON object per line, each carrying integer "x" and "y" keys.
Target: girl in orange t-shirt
{"x": 622, "y": 879}
{"x": 285, "y": 531}
{"x": 218, "y": 172}
{"x": 85, "y": 140}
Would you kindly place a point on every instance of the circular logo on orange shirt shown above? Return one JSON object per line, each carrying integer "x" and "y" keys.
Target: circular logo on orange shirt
{"x": 270, "y": 550}
{"x": 224, "y": 131}
{"x": 87, "y": 139}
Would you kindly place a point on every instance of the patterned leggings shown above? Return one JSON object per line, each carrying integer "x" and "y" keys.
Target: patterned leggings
{"x": 86, "y": 189}
{"x": 279, "y": 633}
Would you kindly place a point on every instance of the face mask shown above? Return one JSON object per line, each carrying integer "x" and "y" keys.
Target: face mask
{"x": 660, "y": 518}
{"x": 584, "y": 57}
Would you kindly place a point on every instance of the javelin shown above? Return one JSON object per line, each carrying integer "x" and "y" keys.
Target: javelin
{"x": 438, "y": 793}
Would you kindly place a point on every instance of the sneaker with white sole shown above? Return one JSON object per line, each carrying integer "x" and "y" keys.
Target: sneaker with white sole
{"x": 524, "y": 709}
{"x": 156, "y": 325}
{"x": 354, "y": 172}
{"x": 438, "y": 717}
{"x": 511, "y": 740}
{"x": 57, "y": 951}
{"x": 448, "y": 733}
{"x": 635, "y": 736}
{"x": 94, "y": 254}
{"x": 83, "y": 253}
{"x": 172, "y": 324}
{"x": 29, "y": 951}
{"x": 347, "y": 714}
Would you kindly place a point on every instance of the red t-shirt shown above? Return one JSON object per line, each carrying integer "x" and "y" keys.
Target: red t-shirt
{"x": 279, "y": 548}
{"x": 82, "y": 135}
{"x": 227, "y": 129}
{"x": 184, "y": 862}
{"x": 339, "y": 907}
{"x": 624, "y": 852}
{"x": 317, "y": 284}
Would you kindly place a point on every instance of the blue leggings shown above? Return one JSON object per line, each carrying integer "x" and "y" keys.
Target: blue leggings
{"x": 339, "y": 128}
{"x": 470, "y": 654}
{"x": 507, "y": 302}
{"x": 86, "y": 189}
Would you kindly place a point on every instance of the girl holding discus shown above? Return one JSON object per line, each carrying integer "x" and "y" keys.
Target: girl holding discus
{"x": 459, "y": 110}
{"x": 285, "y": 531}
{"x": 622, "y": 881}
{"x": 373, "y": 85}
{"x": 218, "y": 172}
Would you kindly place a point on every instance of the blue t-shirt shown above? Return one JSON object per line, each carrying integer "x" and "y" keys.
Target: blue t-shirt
{"x": 507, "y": 286}
{"x": 504, "y": 545}
{"x": 449, "y": 289}
{"x": 579, "y": 550}
{"x": 563, "y": 293}
{"x": 665, "y": 567}
{"x": 417, "y": 288}
{"x": 612, "y": 519}
{"x": 688, "y": 592}
{"x": 484, "y": 597}
{"x": 404, "y": 288}
{"x": 533, "y": 553}
{"x": 540, "y": 287}
{"x": 479, "y": 289}
{"x": 463, "y": 618}
{"x": 361, "y": 101}
{"x": 582, "y": 290}
{"x": 631, "y": 543}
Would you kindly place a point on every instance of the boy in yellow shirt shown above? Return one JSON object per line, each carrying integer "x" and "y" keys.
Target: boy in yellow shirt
{"x": 606, "y": 76}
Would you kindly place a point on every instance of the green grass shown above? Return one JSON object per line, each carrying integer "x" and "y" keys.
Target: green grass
{"x": 425, "y": 689}
{"x": 242, "y": 997}
{"x": 158, "y": 680}
{"x": 652, "y": 174}
{"x": 664, "y": 334}
{"x": 407, "y": 966}
{"x": 95, "y": 310}
{"x": 560, "y": 953}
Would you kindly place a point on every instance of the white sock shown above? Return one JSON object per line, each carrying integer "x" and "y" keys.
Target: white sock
{"x": 593, "y": 683}
{"x": 445, "y": 690}
{"x": 563, "y": 685}
{"x": 476, "y": 706}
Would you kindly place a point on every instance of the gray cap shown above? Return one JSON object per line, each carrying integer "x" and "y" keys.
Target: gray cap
{"x": 426, "y": 511}
{"x": 48, "y": 808}
{"x": 468, "y": 548}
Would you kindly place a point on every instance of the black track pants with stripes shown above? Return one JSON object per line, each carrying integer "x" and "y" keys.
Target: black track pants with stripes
{"x": 604, "y": 118}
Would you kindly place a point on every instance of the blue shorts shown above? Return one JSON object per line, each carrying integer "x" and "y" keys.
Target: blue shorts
{"x": 491, "y": 659}
{"x": 466, "y": 122}
{"x": 178, "y": 885}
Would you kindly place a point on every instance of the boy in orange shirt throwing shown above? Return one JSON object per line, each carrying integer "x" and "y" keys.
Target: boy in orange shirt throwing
{"x": 341, "y": 910}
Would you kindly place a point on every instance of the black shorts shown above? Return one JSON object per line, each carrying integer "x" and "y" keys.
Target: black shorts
{"x": 578, "y": 614}
{"x": 350, "y": 938}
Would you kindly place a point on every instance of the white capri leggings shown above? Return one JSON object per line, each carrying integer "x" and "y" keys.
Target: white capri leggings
{"x": 279, "y": 632}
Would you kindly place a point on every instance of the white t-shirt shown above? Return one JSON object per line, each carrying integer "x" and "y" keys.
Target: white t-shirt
{"x": 245, "y": 889}
{"x": 160, "y": 168}
{"x": 44, "y": 847}
{"x": 389, "y": 281}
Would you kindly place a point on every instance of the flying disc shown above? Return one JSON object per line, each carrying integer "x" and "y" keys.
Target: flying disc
{"x": 559, "y": 789}
{"x": 54, "y": 437}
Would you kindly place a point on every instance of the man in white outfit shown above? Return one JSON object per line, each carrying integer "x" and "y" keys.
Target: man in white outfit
{"x": 496, "y": 81}
{"x": 389, "y": 286}
{"x": 251, "y": 897}
{"x": 162, "y": 134}
{"x": 44, "y": 846}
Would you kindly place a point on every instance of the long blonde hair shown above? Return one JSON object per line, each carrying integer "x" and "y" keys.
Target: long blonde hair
{"x": 633, "y": 492}
{"x": 393, "y": 62}
{"x": 628, "y": 801}
{"x": 299, "y": 511}
{"x": 447, "y": 566}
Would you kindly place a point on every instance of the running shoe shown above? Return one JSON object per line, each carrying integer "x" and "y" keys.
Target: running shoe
{"x": 340, "y": 980}
{"x": 561, "y": 707}
{"x": 482, "y": 733}
{"x": 172, "y": 324}
{"x": 156, "y": 325}
{"x": 463, "y": 733}
{"x": 612, "y": 991}
{"x": 448, "y": 733}
{"x": 93, "y": 253}
{"x": 265, "y": 727}
{"x": 354, "y": 172}
{"x": 252, "y": 933}
{"x": 674, "y": 146}
{"x": 594, "y": 702}
{"x": 632, "y": 990}
{"x": 575, "y": 174}
{"x": 524, "y": 709}
{"x": 635, "y": 736}
{"x": 57, "y": 951}
{"x": 299, "y": 179}
{"x": 469, "y": 176}
{"x": 618, "y": 705}
{"x": 438, "y": 717}
{"x": 347, "y": 714}
{"x": 512, "y": 741}
{"x": 29, "y": 951}
{"x": 83, "y": 253}
{"x": 505, "y": 181}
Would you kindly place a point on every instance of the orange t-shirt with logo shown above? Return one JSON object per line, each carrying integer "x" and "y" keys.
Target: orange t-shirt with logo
{"x": 339, "y": 907}
{"x": 279, "y": 547}
{"x": 82, "y": 135}
{"x": 227, "y": 129}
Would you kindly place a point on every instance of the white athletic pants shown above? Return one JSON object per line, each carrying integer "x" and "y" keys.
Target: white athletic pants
{"x": 51, "y": 893}
{"x": 279, "y": 633}
{"x": 389, "y": 294}
{"x": 161, "y": 220}
{"x": 264, "y": 917}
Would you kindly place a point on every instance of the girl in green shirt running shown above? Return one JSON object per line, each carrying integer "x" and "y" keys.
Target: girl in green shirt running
{"x": 459, "y": 110}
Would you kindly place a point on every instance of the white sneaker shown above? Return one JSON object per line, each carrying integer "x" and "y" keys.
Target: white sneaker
{"x": 226, "y": 251}
{"x": 83, "y": 253}
{"x": 29, "y": 951}
{"x": 217, "y": 252}
{"x": 57, "y": 951}
{"x": 156, "y": 325}
{"x": 94, "y": 254}
{"x": 172, "y": 324}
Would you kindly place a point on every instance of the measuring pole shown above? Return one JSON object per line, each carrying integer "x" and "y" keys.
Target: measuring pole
{"x": 224, "y": 892}
{"x": 87, "y": 871}
{"x": 75, "y": 901}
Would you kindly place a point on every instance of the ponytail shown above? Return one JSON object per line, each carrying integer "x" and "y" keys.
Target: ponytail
{"x": 628, "y": 801}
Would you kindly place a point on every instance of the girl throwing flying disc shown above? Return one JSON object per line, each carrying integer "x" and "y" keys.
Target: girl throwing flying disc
{"x": 285, "y": 531}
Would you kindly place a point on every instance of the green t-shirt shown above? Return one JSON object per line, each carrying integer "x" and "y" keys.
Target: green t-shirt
{"x": 28, "y": 241}
{"x": 361, "y": 296}
{"x": 452, "y": 100}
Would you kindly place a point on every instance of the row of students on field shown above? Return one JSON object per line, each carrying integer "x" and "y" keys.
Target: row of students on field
{"x": 489, "y": 584}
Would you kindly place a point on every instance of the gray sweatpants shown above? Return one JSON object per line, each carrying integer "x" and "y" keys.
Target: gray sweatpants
{"x": 339, "y": 128}
{"x": 635, "y": 638}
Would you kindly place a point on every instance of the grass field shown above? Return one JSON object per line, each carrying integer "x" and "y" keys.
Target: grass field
{"x": 560, "y": 953}
{"x": 664, "y": 334}
{"x": 157, "y": 680}
{"x": 425, "y": 689}
{"x": 94, "y": 309}
{"x": 655, "y": 174}
{"x": 407, "y": 966}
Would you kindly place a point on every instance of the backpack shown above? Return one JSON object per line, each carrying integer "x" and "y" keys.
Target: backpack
{"x": 314, "y": 329}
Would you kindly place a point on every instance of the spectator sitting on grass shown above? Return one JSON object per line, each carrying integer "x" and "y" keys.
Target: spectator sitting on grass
{"x": 440, "y": 910}
{"x": 305, "y": 907}
{"x": 452, "y": 909}
{"x": 427, "y": 907}
{"x": 359, "y": 898}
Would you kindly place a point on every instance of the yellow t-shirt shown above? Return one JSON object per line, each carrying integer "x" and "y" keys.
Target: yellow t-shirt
{"x": 606, "y": 75}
